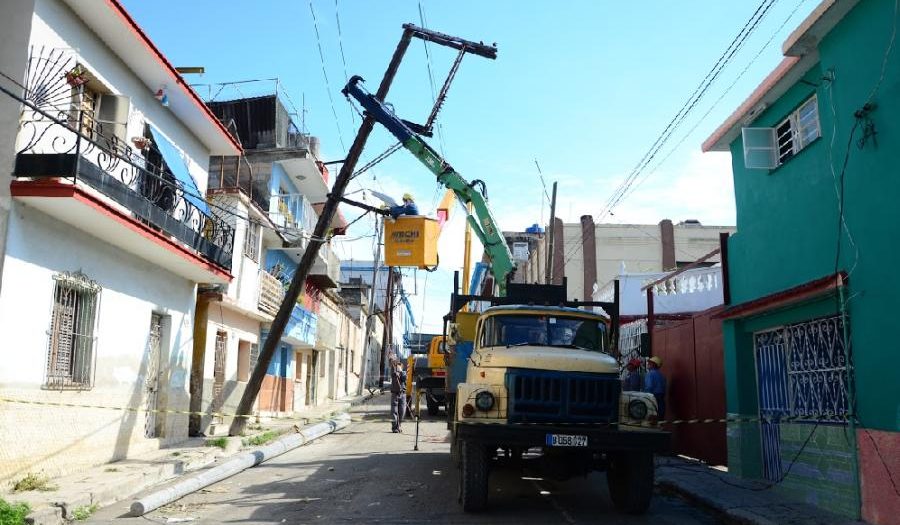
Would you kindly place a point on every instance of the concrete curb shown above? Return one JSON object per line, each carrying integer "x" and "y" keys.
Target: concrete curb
{"x": 728, "y": 515}
{"x": 235, "y": 465}
{"x": 60, "y": 512}
{"x": 734, "y": 505}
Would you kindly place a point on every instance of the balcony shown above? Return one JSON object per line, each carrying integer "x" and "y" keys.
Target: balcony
{"x": 293, "y": 215}
{"x": 271, "y": 293}
{"x": 118, "y": 193}
{"x": 685, "y": 291}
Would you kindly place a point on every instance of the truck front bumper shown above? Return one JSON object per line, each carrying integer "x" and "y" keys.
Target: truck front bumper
{"x": 599, "y": 438}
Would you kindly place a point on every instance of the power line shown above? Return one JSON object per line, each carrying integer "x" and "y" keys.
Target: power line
{"x": 440, "y": 128}
{"x": 337, "y": 18}
{"x": 325, "y": 75}
{"x": 718, "y": 100}
{"x": 692, "y": 101}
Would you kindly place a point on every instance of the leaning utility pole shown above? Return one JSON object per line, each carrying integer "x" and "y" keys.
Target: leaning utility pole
{"x": 318, "y": 238}
{"x": 549, "y": 268}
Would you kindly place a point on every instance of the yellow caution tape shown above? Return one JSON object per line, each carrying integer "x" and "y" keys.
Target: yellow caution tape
{"x": 783, "y": 419}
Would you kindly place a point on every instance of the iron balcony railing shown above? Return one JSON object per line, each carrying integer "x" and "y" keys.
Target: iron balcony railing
{"x": 73, "y": 145}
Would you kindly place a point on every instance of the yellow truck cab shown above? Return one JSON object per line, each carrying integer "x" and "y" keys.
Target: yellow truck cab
{"x": 541, "y": 386}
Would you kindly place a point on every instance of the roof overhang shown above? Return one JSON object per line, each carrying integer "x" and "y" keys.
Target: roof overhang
{"x": 801, "y": 53}
{"x": 129, "y": 42}
{"x": 788, "y": 72}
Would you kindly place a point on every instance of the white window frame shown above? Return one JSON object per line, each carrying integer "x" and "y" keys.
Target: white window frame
{"x": 251, "y": 241}
{"x": 765, "y": 148}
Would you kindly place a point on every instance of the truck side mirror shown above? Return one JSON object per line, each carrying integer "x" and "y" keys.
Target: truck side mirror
{"x": 645, "y": 345}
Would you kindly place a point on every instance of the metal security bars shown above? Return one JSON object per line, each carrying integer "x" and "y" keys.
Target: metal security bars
{"x": 63, "y": 136}
{"x": 70, "y": 340}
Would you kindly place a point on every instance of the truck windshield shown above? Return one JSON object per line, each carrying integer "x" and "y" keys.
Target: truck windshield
{"x": 544, "y": 330}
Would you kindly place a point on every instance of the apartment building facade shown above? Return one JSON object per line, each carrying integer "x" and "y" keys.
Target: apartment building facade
{"x": 107, "y": 239}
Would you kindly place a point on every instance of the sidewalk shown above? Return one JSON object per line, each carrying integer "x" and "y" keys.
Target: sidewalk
{"x": 84, "y": 492}
{"x": 738, "y": 500}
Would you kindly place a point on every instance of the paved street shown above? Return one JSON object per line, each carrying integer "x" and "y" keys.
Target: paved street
{"x": 365, "y": 473}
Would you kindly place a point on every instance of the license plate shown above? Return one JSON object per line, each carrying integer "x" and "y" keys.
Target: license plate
{"x": 566, "y": 440}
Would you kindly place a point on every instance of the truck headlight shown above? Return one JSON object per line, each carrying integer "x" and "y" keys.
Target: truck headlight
{"x": 484, "y": 400}
{"x": 637, "y": 409}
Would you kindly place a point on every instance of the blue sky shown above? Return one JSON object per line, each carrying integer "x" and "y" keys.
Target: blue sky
{"x": 583, "y": 87}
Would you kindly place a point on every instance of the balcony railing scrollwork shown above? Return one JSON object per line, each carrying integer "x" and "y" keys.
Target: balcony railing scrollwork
{"x": 59, "y": 138}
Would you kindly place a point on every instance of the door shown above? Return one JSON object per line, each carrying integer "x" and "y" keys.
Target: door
{"x": 151, "y": 383}
{"x": 221, "y": 348}
{"x": 771, "y": 379}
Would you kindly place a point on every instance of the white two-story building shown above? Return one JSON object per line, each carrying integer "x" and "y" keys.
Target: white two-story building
{"x": 108, "y": 235}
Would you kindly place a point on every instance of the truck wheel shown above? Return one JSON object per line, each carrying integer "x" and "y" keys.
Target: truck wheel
{"x": 473, "y": 482}
{"x": 630, "y": 479}
{"x": 433, "y": 407}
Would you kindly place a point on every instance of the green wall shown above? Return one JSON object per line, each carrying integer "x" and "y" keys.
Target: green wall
{"x": 787, "y": 218}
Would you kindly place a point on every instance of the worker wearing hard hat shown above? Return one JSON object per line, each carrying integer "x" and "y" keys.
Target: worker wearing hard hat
{"x": 407, "y": 208}
{"x": 655, "y": 383}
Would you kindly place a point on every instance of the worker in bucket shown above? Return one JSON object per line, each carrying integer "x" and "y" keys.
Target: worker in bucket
{"x": 407, "y": 208}
{"x": 655, "y": 383}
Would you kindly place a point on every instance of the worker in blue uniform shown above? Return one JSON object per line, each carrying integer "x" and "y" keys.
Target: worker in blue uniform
{"x": 655, "y": 383}
{"x": 407, "y": 208}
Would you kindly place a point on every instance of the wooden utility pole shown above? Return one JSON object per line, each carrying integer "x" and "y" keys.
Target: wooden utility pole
{"x": 388, "y": 337}
{"x": 323, "y": 225}
{"x": 370, "y": 316}
{"x": 548, "y": 279}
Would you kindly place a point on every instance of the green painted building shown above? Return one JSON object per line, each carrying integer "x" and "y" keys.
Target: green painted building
{"x": 811, "y": 330}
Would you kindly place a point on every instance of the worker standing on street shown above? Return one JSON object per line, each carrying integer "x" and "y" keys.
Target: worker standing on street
{"x": 655, "y": 383}
{"x": 632, "y": 381}
{"x": 398, "y": 396}
{"x": 407, "y": 208}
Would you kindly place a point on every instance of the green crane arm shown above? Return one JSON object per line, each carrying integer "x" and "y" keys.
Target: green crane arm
{"x": 485, "y": 227}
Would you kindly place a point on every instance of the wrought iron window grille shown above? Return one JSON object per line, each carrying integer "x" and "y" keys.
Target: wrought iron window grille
{"x": 71, "y": 339}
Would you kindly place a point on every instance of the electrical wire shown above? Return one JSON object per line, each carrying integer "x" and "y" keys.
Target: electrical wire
{"x": 718, "y": 100}
{"x": 325, "y": 75}
{"x": 440, "y": 129}
{"x": 692, "y": 101}
{"x": 337, "y": 17}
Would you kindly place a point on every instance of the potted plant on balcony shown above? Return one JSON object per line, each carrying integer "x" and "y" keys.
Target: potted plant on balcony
{"x": 77, "y": 76}
{"x": 141, "y": 143}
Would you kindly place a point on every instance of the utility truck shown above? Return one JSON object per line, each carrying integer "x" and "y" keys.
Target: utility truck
{"x": 532, "y": 378}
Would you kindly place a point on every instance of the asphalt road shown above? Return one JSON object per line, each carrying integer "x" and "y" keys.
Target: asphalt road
{"x": 366, "y": 474}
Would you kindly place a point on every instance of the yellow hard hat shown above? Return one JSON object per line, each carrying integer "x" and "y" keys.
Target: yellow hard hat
{"x": 408, "y": 197}
{"x": 656, "y": 360}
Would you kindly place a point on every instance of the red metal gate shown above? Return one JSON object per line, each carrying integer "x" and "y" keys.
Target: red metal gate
{"x": 693, "y": 363}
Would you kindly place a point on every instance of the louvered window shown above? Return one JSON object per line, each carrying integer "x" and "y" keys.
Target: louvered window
{"x": 71, "y": 342}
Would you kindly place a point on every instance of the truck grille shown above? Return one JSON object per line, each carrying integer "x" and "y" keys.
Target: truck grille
{"x": 539, "y": 396}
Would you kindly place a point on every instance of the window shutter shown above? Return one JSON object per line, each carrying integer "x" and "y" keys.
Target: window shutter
{"x": 112, "y": 114}
{"x": 760, "y": 148}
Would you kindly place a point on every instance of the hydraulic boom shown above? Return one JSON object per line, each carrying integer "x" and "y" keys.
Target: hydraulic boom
{"x": 485, "y": 227}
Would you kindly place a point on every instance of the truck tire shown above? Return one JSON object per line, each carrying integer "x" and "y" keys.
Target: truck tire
{"x": 433, "y": 407}
{"x": 473, "y": 474}
{"x": 630, "y": 479}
